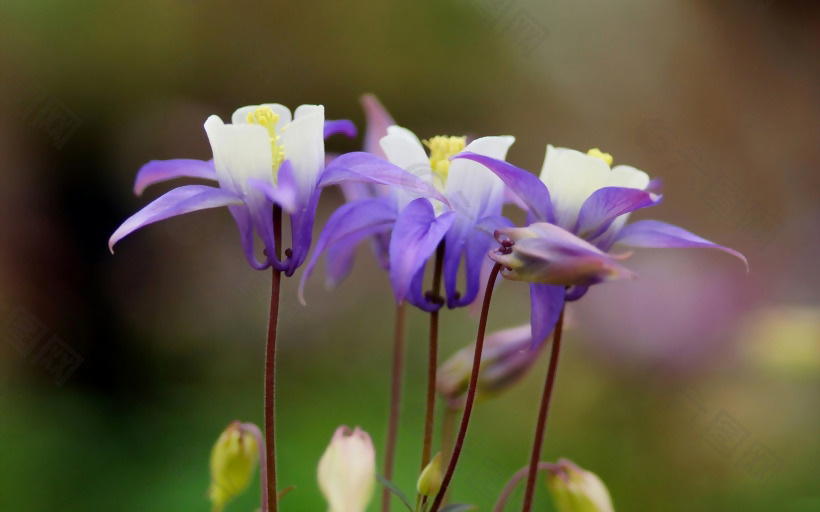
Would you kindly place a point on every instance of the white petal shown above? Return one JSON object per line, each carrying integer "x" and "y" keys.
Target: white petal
{"x": 403, "y": 149}
{"x": 304, "y": 145}
{"x": 240, "y": 115}
{"x": 571, "y": 177}
{"x": 240, "y": 152}
{"x": 306, "y": 110}
{"x": 627, "y": 176}
{"x": 472, "y": 188}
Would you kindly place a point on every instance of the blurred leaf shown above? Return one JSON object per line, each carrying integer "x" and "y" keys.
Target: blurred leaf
{"x": 395, "y": 490}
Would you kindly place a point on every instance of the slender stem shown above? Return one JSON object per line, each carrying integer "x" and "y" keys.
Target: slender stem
{"x": 263, "y": 467}
{"x": 471, "y": 389}
{"x": 432, "y": 363}
{"x": 270, "y": 366}
{"x": 510, "y": 487}
{"x": 395, "y": 401}
{"x": 543, "y": 413}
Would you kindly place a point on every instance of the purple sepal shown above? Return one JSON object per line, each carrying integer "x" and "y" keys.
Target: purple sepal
{"x": 546, "y": 303}
{"x": 364, "y": 167}
{"x": 608, "y": 203}
{"x": 527, "y": 186}
{"x": 180, "y": 200}
{"x": 340, "y": 126}
{"x": 654, "y": 233}
{"x": 349, "y": 225}
{"x": 415, "y": 237}
{"x": 285, "y": 193}
{"x": 157, "y": 171}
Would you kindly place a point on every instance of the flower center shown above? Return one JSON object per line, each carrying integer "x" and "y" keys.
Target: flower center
{"x": 441, "y": 148}
{"x": 264, "y": 116}
{"x": 597, "y": 153}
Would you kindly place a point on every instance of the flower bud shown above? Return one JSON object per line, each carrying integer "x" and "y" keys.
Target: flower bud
{"x": 429, "y": 482}
{"x": 577, "y": 490}
{"x": 233, "y": 462}
{"x": 507, "y": 356}
{"x": 546, "y": 253}
{"x": 347, "y": 471}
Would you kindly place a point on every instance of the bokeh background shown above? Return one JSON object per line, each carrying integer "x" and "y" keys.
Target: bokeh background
{"x": 694, "y": 387}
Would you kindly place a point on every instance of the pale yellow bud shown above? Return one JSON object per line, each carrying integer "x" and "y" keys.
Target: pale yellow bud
{"x": 429, "y": 482}
{"x": 577, "y": 490}
{"x": 233, "y": 462}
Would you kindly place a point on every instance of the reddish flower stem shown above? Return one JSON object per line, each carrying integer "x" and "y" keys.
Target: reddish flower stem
{"x": 471, "y": 390}
{"x": 432, "y": 363}
{"x": 395, "y": 400}
{"x": 510, "y": 487}
{"x": 270, "y": 369}
{"x": 540, "y": 429}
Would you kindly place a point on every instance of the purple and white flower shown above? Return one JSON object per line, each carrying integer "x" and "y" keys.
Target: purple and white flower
{"x": 265, "y": 157}
{"x": 461, "y": 209}
{"x": 579, "y": 208}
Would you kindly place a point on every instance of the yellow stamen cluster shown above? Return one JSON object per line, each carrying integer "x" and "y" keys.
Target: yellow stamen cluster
{"x": 597, "y": 153}
{"x": 264, "y": 116}
{"x": 441, "y": 149}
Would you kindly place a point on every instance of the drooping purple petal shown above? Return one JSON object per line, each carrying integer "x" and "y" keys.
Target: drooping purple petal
{"x": 546, "y": 303}
{"x": 340, "y": 126}
{"x": 468, "y": 245}
{"x": 415, "y": 237}
{"x": 180, "y": 200}
{"x": 301, "y": 227}
{"x": 364, "y": 167}
{"x": 654, "y": 233}
{"x": 157, "y": 171}
{"x": 608, "y": 203}
{"x": 285, "y": 192}
{"x": 242, "y": 217}
{"x": 349, "y": 225}
{"x": 525, "y": 185}
{"x": 416, "y": 294}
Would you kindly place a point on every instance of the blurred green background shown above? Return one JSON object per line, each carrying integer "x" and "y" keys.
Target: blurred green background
{"x": 692, "y": 388}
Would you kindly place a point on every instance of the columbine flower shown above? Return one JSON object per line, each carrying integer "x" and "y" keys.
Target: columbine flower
{"x": 265, "y": 156}
{"x": 462, "y": 210}
{"x": 577, "y": 490}
{"x": 589, "y": 202}
{"x": 347, "y": 471}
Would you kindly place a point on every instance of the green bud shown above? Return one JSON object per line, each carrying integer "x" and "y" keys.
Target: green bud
{"x": 577, "y": 490}
{"x": 233, "y": 461}
{"x": 429, "y": 482}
